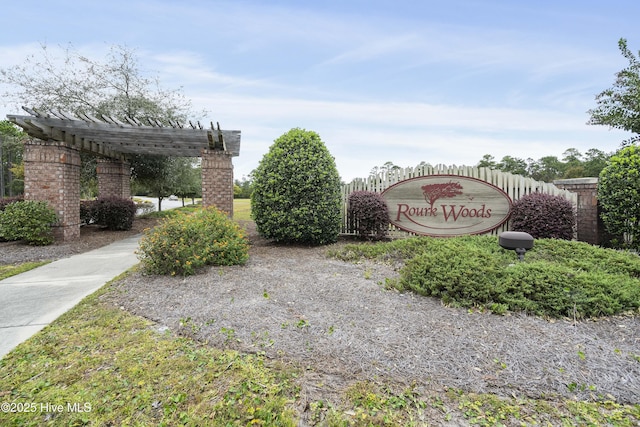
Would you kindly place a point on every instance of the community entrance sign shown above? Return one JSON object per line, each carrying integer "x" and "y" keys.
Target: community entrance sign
{"x": 447, "y": 205}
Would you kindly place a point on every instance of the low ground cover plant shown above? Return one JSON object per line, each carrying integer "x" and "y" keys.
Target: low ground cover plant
{"x": 28, "y": 220}
{"x": 556, "y": 279}
{"x": 185, "y": 242}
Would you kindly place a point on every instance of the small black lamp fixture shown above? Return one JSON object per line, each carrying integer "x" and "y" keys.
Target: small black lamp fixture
{"x": 518, "y": 241}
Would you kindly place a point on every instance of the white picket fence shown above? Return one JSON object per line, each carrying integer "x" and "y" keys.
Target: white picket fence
{"x": 515, "y": 186}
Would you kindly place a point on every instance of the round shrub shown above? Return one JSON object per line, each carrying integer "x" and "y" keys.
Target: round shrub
{"x": 619, "y": 197}
{"x": 296, "y": 193}
{"x": 369, "y": 214}
{"x": 28, "y": 220}
{"x": 544, "y": 216}
{"x": 183, "y": 243}
{"x": 114, "y": 213}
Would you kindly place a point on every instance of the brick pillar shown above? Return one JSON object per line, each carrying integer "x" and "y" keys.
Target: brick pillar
{"x": 590, "y": 228}
{"x": 217, "y": 180}
{"x": 52, "y": 174}
{"x": 114, "y": 178}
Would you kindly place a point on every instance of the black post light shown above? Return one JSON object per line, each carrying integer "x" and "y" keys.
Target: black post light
{"x": 518, "y": 241}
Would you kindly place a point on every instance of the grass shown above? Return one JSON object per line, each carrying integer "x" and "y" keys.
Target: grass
{"x": 118, "y": 370}
{"x": 100, "y": 365}
{"x": 13, "y": 269}
{"x": 242, "y": 209}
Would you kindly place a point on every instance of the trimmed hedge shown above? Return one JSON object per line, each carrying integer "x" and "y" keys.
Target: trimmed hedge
{"x": 296, "y": 191}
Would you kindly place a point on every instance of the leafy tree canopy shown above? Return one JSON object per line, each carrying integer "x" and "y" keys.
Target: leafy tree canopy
{"x": 619, "y": 106}
{"x": 115, "y": 86}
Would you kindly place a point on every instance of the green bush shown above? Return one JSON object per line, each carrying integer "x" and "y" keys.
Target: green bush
{"x": 296, "y": 191}
{"x": 183, "y": 243}
{"x": 5, "y": 201}
{"x": 619, "y": 197}
{"x": 544, "y": 216}
{"x": 28, "y": 220}
{"x": 557, "y": 278}
{"x": 369, "y": 213}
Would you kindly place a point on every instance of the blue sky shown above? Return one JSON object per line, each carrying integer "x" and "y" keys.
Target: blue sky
{"x": 443, "y": 82}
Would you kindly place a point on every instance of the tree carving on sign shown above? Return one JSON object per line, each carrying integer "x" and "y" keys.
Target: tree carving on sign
{"x": 433, "y": 192}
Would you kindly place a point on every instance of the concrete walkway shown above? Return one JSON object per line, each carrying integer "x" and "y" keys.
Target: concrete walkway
{"x": 32, "y": 300}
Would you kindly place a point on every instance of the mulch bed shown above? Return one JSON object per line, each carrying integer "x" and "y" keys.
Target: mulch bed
{"x": 337, "y": 321}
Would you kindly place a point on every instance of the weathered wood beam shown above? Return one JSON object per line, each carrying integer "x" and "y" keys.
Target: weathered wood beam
{"x": 113, "y": 138}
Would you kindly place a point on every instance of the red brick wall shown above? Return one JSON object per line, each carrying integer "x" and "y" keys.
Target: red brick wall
{"x": 114, "y": 178}
{"x": 52, "y": 173}
{"x": 590, "y": 228}
{"x": 217, "y": 180}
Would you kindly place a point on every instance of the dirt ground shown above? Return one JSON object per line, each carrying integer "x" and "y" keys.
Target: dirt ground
{"x": 338, "y": 323}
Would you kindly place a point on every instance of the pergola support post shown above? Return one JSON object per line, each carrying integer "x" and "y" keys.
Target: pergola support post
{"x": 114, "y": 178}
{"x": 217, "y": 180}
{"x": 52, "y": 174}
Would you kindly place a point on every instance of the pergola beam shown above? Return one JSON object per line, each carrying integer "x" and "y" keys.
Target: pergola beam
{"x": 113, "y": 138}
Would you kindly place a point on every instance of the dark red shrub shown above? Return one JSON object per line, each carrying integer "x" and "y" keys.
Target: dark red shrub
{"x": 112, "y": 212}
{"x": 86, "y": 211}
{"x": 544, "y": 216}
{"x": 369, "y": 214}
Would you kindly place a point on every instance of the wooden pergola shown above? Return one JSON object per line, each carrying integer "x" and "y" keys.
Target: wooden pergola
{"x": 114, "y": 139}
{"x": 52, "y": 159}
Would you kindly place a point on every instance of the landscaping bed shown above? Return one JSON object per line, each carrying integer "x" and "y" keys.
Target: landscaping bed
{"x": 337, "y": 318}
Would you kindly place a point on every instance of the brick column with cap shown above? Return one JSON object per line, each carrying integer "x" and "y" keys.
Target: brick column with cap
{"x": 589, "y": 225}
{"x": 114, "y": 178}
{"x": 217, "y": 180}
{"x": 52, "y": 174}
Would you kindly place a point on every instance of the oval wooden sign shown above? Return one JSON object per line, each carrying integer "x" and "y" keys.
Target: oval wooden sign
{"x": 446, "y": 205}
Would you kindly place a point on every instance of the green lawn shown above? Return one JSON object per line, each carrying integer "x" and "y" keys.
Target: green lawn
{"x": 242, "y": 209}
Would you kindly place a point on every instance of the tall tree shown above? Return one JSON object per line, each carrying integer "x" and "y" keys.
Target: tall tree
{"x": 386, "y": 168}
{"x": 595, "y": 161}
{"x": 619, "y": 106}
{"x": 115, "y": 87}
{"x": 487, "y": 161}
{"x": 513, "y": 165}
{"x": 546, "y": 169}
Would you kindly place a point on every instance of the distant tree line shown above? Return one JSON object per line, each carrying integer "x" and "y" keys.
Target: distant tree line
{"x": 548, "y": 168}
